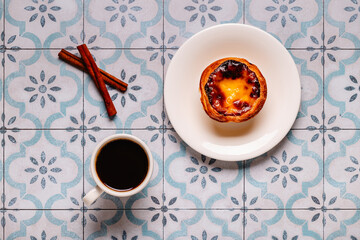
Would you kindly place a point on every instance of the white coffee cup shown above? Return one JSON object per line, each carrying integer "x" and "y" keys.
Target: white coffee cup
{"x": 94, "y": 193}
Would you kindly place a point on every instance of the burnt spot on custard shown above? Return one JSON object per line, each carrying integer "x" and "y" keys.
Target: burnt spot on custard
{"x": 236, "y": 71}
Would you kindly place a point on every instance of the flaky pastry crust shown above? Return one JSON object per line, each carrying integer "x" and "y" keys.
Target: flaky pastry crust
{"x": 254, "y": 104}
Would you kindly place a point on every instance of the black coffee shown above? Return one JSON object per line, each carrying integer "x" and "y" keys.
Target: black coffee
{"x": 122, "y": 165}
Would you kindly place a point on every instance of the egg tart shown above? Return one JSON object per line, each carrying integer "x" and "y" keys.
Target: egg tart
{"x": 232, "y": 90}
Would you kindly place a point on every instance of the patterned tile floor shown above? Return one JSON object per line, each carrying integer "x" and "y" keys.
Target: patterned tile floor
{"x": 307, "y": 187}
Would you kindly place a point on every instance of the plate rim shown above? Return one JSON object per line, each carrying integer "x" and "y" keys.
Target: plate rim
{"x": 284, "y": 131}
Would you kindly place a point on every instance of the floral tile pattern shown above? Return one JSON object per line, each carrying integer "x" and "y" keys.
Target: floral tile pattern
{"x": 123, "y": 224}
{"x": 52, "y": 117}
{"x": 343, "y": 15}
{"x": 39, "y": 82}
{"x": 43, "y": 23}
{"x": 342, "y": 90}
{"x": 204, "y": 225}
{"x": 337, "y": 222}
{"x": 289, "y": 20}
{"x": 187, "y": 173}
{"x": 286, "y": 177}
{"x": 40, "y": 224}
{"x": 285, "y": 224}
{"x": 185, "y": 18}
{"x": 43, "y": 170}
{"x": 125, "y": 23}
{"x": 309, "y": 66}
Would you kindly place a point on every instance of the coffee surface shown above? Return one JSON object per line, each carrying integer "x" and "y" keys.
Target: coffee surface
{"x": 122, "y": 165}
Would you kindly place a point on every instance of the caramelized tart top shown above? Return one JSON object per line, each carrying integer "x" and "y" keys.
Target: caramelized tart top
{"x": 234, "y": 90}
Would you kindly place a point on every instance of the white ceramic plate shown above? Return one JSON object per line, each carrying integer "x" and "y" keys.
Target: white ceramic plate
{"x": 232, "y": 141}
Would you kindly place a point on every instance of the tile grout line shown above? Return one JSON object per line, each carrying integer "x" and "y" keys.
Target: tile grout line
{"x": 159, "y": 128}
{"x": 174, "y": 48}
{"x": 3, "y": 122}
{"x": 74, "y": 48}
{"x": 244, "y": 19}
{"x": 73, "y": 129}
{"x": 83, "y": 158}
{"x": 243, "y": 164}
{"x": 180, "y": 209}
{"x": 323, "y": 97}
{"x": 163, "y": 108}
{"x": 83, "y": 108}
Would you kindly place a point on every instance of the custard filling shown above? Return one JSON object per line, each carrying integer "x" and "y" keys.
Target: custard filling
{"x": 232, "y": 88}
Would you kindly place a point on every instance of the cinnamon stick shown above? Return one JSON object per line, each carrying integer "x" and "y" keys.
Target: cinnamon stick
{"x": 77, "y": 62}
{"x": 95, "y": 74}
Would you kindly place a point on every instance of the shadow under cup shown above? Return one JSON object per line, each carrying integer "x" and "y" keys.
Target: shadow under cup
{"x": 122, "y": 164}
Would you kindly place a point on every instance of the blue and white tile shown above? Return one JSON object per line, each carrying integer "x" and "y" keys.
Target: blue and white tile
{"x": 150, "y": 38}
{"x": 14, "y": 40}
{"x": 1, "y": 15}
{"x": 231, "y": 198}
{"x": 230, "y": 220}
{"x": 144, "y": 199}
{"x": 43, "y": 22}
{"x": 333, "y": 138}
{"x": 2, "y": 173}
{"x": 309, "y": 65}
{"x": 286, "y": 20}
{"x": 16, "y": 60}
{"x": 123, "y": 224}
{"x": 276, "y": 180}
{"x": 2, "y": 73}
{"x": 168, "y": 55}
{"x": 65, "y": 224}
{"x": 335, "y": 38}
{"x": 341, "y": 171}
{"x": 15, "y": 123}
{"x": 342, "y": 88}
{"x": 40, "y": 224}
{"x": 159, "y": 49}
{"x": 42, "y": 171}
{"x": 13, "y": 222}
{"x": 335, "y": 198}
{"x": 336, "y": 141}
{"x": 200, "y": 181}
{"x": 2, "y": 162}
{"x": 203, "y": 224}
{"x": 16, "y": 139}
{"x": 342, "y": 224}
{"x": 283, "y": 224}
{"x": 95, "y": 40}
{"x": 142, "y": 99}
{"x": 124, "y": 229}
{"x": 334, "y": 120}
{"x": 311, "y": 38}
{"x": 185, "y": 18}
{"x": 150, "y": 59}
{"x": 1, "y": 232}
{"x": 231, "y": 194}
{"x": 162, "y": 46}
{"x": 9, "y": 47}
{"x": 342, "y": 21}
{"x": 39, "y": 84}
{"x": 123, "y": 21}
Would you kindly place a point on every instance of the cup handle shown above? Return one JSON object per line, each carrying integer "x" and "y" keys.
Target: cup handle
{"x": 92, "y": 195}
